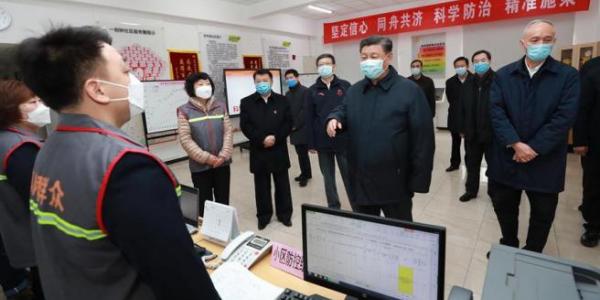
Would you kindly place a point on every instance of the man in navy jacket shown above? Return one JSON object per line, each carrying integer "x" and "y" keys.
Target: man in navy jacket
{"x": 533, "y": 104}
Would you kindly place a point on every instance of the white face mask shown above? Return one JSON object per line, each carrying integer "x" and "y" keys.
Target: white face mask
{"x": 135, "y": 97}
{"x": 204, "y": 91}
{"x": 40, "y": 116}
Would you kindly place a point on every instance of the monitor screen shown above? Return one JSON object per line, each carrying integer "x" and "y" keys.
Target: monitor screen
{"x": 240, "y": 83}
{"x": 189, "y": 202}
{"x": 371, "y": 257}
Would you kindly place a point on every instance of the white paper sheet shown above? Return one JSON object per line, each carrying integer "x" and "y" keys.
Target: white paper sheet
{"x": 234, "y": 282}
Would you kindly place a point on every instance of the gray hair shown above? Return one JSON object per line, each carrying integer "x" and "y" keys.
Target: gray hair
{"x": 537, "y": 21}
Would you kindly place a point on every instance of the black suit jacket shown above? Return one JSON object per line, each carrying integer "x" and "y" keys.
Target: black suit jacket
{"x": 259, "y": 120}
{"x": 453, "y": 87}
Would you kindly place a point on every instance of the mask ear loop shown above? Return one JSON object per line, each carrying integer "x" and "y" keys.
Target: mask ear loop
{"x": 117, "y": 85}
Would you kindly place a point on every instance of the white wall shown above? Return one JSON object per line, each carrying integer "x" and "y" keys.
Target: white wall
{"x": 502, "y": 38}
{"x": 32, "y": 18}
{"x": 587, "y": 25}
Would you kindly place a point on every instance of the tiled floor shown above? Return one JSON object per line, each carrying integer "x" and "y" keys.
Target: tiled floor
{"x": 471, "y": 227}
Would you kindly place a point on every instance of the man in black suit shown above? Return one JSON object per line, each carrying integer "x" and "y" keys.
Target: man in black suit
{"x": 453, "y": 86}
{"x": 266, "y": 120}
{"x": 424, "y": 82}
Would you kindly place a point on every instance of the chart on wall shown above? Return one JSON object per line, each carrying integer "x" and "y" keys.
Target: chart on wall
{"x": 218, "y": 52}
{"x": 277, "y": 52}
{"x": 431, "y": 49}
{"x": 143, "y": 47}
{"x": 162, "y": 100}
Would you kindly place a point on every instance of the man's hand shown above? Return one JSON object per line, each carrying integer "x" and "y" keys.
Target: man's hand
{"x": 582, "y": 150}
{"x": 523, "y": 153}
{"x": 332, "y": 126}
{"x": 313, "y": 151}
{"x": 219, "y": 161}
{"x": 462, "y": 135}
{"x": 269, "y": 141}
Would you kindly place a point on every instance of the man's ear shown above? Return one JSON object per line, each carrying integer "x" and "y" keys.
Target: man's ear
{"x": 93, "y": 89}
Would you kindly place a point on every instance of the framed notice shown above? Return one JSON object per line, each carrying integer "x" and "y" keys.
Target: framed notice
{"x": 253, "y": 62}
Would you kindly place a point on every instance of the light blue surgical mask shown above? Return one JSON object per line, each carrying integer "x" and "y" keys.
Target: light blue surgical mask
{"x": 481, "y": 67}
{"x": 263, "y": 88}
{"x": 415, "y": 71}
{"x": 325, "y": 71}
{"x": 461, "y": 71}
{"x": 372, "y": 68}
{"x": 539, "y": 52}
{"x": 292, "y": 83}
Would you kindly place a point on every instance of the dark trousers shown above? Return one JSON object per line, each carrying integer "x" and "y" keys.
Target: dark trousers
{"x": 401, "y": 210}
{"x": 213, "y": 182}
{"x": 455, "y": 156}
{"x": 474, "y": 154}
{"x": 10, "y": 277}
{"x": 264, "y": 200}
{"x": 303, "y": 161}
{"x": 590, "y": 206}
{"x": 327, "y": 165}
{"x": 506, "y": 202}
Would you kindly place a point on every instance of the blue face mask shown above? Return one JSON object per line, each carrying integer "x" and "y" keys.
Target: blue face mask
{"x": 263, "y": 88}
{"x": 292, "y": 83}
{"x": 372, "y": 68}
{"x": 461, "y": 71}
{"x": 539, "y": 52}
{"x": 481, "y": 67}
{"x": 325, "y": 71}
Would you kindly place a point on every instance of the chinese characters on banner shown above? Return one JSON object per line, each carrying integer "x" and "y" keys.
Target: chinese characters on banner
{"x": 446, "y": 14}
{"x": 183, "y": 64}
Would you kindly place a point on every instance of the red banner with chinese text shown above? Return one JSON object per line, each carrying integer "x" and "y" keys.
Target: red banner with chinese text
{"x": 453, "y": 13}
{"x": 183, "y": 63}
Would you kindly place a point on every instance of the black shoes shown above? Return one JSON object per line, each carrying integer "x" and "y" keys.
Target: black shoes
{"x": 452, "y": 168}
{"x": 287, "y": 223}
{"x": 303, "y": 180}
{"x": 590, "y": 238}
{"x": 467, "y": 197}
{"x": 262, "y": 225}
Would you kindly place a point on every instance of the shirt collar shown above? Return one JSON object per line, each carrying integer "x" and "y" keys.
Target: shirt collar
{"x": 520, "y": 67}
{"x": 534, "y": 70}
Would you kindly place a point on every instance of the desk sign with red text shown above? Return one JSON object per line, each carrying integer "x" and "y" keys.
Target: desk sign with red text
{"x": 287, "y": 259}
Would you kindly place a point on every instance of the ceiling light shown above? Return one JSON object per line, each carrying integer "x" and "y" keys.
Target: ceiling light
{"x": 320, "y": 9}
{"x": 130, "y": 24}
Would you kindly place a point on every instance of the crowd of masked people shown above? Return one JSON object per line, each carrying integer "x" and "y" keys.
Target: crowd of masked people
{"x": 88, "y": 213}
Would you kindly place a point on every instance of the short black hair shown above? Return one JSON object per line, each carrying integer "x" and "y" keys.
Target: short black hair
{"x": 487, "y": 53}
{"x": 325, "y": 55}
{"x": 193, "y": 78}
{"x": 262, "y": 72}
{"x": 466, "y": 60}
{"x": 292, "y": 71}
{"x": 385, "y": 43}
{"x": 56, "y": 65}
{"x": 417, "y": 60}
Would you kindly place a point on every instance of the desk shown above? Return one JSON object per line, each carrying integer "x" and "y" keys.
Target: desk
{"x": 265, "y": 271}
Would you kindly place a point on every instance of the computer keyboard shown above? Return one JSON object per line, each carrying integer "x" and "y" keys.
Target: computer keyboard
{"x": 293, "y": 295}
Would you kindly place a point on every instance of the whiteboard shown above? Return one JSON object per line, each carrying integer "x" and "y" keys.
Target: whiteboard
{"x": 239, "y": 84}
{"x": 162, "y": 98}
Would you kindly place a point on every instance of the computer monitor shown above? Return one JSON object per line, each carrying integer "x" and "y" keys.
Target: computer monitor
{"x": 189, "y": 202}
{"x": 370, "y": 257}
